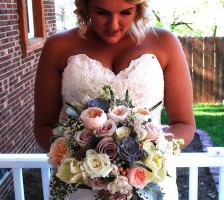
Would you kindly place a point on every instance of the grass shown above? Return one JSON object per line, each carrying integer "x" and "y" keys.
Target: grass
{"x": 209, "y": 118}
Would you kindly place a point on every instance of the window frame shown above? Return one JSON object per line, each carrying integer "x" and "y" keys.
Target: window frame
{"x": 31, "y": 44}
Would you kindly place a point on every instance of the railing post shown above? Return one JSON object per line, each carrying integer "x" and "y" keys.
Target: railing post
{"x": 221, "y": 183}
{"x": 193, "y": 183}
{"x": 18, "y": 183}
{"x": 45, "y": 173}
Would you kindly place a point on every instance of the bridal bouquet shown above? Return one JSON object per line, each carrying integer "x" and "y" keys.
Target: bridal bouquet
{"x": 112, "y": 147}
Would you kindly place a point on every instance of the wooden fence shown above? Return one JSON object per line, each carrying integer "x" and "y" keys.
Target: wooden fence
{"x": 205, "y": 57}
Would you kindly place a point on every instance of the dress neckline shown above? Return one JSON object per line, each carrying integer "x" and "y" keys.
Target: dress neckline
{"x": 128, "y": 68}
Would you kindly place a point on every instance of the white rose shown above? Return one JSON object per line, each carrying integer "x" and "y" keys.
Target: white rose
{"x": 148, "y": 146}
{"x": 141, "y": 133}
{"x": 157, "y": 163}
{"x": 139, "y": 128}
{"x": 162, "y": 144}
{"x": 120, "y": 184}
{"x": 96, "y": 165}
{"x": 69, "y": 171}
{"x": 119, "y": 113}
{"x": 121, "y": 133}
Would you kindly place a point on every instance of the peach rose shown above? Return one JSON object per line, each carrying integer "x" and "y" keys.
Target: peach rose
{"x": 58, "y": 151}
{"x": 142, "y": 113}
{"x": 137, "y": 177}
{"x": 119, "y": 113}
{"x": 93, "y": 117}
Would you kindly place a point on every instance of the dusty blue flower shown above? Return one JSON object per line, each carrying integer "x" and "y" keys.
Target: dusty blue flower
{"x": 129, "y": 149}
{"x": 99, "y": 103}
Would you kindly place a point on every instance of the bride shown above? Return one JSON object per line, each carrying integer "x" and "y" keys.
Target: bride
{"x": 113, "y": 45}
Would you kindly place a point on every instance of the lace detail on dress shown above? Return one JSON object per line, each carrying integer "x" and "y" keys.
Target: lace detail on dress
{"x": 84, "y": 77}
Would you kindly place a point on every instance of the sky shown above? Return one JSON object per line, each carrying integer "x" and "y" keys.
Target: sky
{"x": 205, "y": 18}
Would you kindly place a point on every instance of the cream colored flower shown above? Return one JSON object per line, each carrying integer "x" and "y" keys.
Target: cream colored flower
{"x": 96, "y": 165}
{"x": 162, "y": 144}
{"x": 120, "y": 184}
{"x": 156, "y": 162}
{"x": 141, "y": 133}
{"x": 93, "y": 117}
{"x": 121, "y": 133}
{"x": 148, "y": 146}
{"x": 69, "y": 171}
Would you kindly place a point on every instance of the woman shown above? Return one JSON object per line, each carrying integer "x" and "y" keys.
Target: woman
{"x": 113, "y": 45}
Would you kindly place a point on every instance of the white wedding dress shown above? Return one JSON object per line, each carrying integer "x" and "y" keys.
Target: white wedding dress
{"x": 83, "y": 79}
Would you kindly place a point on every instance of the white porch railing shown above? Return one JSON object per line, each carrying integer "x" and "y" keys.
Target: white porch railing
{"x": 191, "y": 160}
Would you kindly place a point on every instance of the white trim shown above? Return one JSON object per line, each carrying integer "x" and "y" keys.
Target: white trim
{"x": 191, "y": 160}
{"x": 30, "y": 18}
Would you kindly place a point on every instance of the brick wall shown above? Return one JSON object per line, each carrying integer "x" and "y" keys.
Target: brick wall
{"x": 17, "y": 77}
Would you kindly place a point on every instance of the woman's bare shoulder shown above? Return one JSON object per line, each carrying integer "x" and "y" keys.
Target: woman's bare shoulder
{"x": 64, "y": 38}
{"x": 164, "y": 36}
{"x": 60, "y": 46}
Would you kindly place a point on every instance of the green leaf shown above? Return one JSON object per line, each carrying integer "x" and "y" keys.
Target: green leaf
{"x": 155, "y": 106}
{"x": 142, "y": 165}
{"x": 152, "y": 191}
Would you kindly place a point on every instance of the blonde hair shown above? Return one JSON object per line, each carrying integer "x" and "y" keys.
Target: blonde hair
{"x": 138, "y": 28}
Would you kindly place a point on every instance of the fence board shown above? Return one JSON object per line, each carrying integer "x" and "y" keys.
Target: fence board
{"x": 218, "y": 70}
{"x": 198, "y": 69}
{"x": 209, "y": 70}
{"x": 205, "y": 57}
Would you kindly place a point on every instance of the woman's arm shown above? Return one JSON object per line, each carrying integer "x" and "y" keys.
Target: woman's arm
{"x": 178, "y": 91}
{"x": 47, "y": 96}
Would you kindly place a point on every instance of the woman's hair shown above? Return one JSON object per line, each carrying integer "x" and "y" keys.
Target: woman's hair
{"x": 138, "y": 28}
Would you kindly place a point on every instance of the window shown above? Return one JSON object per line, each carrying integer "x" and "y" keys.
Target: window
{"x": 31, "y": 25}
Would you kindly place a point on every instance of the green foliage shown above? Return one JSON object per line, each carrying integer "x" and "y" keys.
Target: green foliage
{"x": 191, "y": 18}
{"x": 209, "y": 118}
{"x": 151, "y": 191}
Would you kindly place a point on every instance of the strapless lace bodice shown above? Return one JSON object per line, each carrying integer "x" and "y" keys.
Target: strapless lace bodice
{"x": 84, "y": 77}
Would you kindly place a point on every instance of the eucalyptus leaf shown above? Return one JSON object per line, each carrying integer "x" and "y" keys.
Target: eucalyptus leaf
{"x": 152, "y": 191}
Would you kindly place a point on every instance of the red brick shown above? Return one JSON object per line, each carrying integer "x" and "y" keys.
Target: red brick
{"x": 17, "y": 77}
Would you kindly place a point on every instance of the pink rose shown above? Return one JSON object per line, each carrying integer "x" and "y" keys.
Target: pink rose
{"x": 137, "y": 177}
{"x": 83, "y": 137}
{"x": 153, "y": 131}
{"x": 107, "y": 146}
{"x": 93, "y": 117}
{"x": 107, "y": 129}
{"x": 98, "y": 183}
{"x": 119, "y": 113}
{"x": 58, "y": 152}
